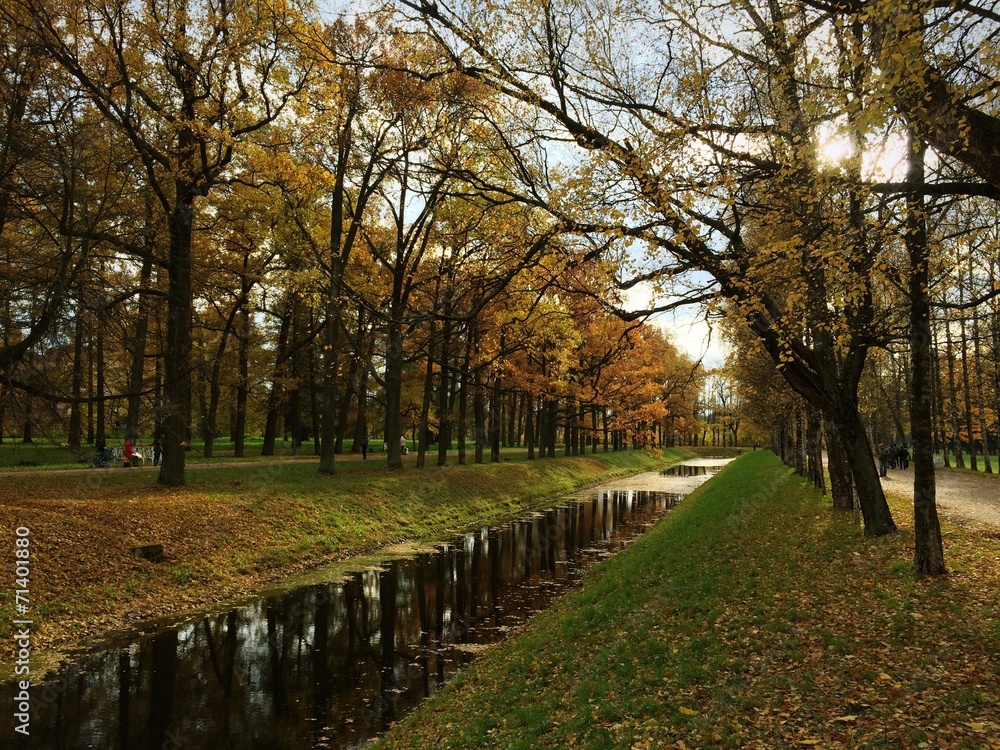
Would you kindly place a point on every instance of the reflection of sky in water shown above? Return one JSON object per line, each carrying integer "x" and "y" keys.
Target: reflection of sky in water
{"x": 333, "y": 663}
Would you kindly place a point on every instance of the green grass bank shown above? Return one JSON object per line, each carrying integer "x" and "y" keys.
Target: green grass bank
{"x": 752, "y": 616}
{"x": 234, "y": 529}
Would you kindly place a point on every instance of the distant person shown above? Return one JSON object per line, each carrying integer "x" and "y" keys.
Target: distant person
{"x": 904, "y": 457}
{"x": 402, "y": 445}
{"x": 883, "y": 460}
{"x": 157, "y": 451}
{"x": 364, "y": 447}
{"x": 128, "y": 454}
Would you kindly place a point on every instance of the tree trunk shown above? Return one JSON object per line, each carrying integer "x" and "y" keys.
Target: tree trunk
{"x": 496, "y": 417}
{"x": 349, "y": 391}
{"x": 841, "y": 480}
{"x": 463, "y": 401}
{"x": 101, "y": 436}
{"x": 91, "y": 386}
{"x": 393, "y": 392}
{"x": 444, "y": 386}
{"x": 942, "y": 420}
{"x": 928, "y": 556}
{"x": 316, "y": 428}
{"x": 814, "y": 448}
{"x": 479, "y": 414}
{"x": 243, "y": 383}
{"x": 275, "y": 395}
{"x": 966, "y": 380}
{"x": 211, "y": 423}
{"x": 361, "y": 420}
{"x": 980, "y": 389}
{"x": 177, "y": 373}
{"x": 800, "y": 447}
{"x": 529, "y": 424}
{"x": 953, "y": 388}
{"x": 75, "y": 414}
{"x": 138, "y": 353}
{"x": 425, "y": 405}
{"x": 874, "y": 509}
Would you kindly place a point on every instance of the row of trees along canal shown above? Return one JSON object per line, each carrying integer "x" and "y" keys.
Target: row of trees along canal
{"x": 449, "y": 174}
{"x": 702, "y": 130}
{"x": 260, "y": 216}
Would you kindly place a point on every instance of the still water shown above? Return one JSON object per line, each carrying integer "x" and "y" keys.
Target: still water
{"x": 332, "y": 664}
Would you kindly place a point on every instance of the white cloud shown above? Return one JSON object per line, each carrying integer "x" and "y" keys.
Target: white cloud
{"x": 686, "y": 326}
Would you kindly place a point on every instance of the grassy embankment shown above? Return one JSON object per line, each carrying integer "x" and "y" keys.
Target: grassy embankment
{"x": 234, "y": 529}
{"x": 980, "y": 464}
{"x": 752, "y": 617}
{"x": 53, "y": 453}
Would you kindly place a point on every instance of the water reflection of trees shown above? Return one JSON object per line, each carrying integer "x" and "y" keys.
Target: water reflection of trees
{"x": 332, "y": 663}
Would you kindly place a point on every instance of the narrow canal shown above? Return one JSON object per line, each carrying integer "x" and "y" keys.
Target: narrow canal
{"x": 332, "y": 663}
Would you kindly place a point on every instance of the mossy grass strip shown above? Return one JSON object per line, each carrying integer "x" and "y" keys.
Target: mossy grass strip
{"x": 751, "y": 616}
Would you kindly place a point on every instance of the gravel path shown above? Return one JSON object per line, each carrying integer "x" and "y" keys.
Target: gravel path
{"x": 967, "y": 498}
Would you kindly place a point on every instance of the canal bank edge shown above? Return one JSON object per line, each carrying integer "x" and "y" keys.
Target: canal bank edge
{"x": 745, "y": 618}
{"x": 91, "y": 608}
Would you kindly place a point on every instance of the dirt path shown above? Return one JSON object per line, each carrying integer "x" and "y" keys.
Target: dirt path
{"x": 966, "y": 498}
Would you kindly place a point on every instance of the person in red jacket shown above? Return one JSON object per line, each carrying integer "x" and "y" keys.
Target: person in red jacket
{"x": 129, "y": 454}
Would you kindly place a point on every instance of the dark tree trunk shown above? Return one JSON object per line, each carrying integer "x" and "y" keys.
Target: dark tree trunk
{"x": 511, "y": 419}
{"x": 361, "y": 421}
{"x": 593, "y": 432}
{"x": 315, "y": 416}
{"x": 966, "y": 381}
{"x": 331, "y": 359}
{"x": 942, "y": 420}
{"x": 138, "y": 353}
{"x": 275, "y": 396}
{"x": 91, "y": 386}
{"x": 496, "y": 415}
{"x": 425, "y": 404}
{"x": 394, "y": 392}
{"x": 463, "y": 401}
{"x": 874, "y": 509}
{"x": 75, "y": 415}
{"x": 211, "y": 413}
{"x": 928, "y": 556}
{"x": 956, "y": 442}
{"x": 814, "y": 448}
{"x": 841, "y": 481}
{"x": 529, "y": 424}
{"x": 243, "y": 383}
{"x": 177, "y": 362}
{"x": 445, "y": 387}
{"x": 800, "y": 447}
{"x": 980, "y": 389}
{"x": 479, "y": 415}
{"x": 101, "y": 435}
{"x": 350, "y": 390}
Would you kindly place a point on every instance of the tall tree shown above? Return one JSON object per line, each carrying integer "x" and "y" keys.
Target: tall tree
{"x": 758, "y": 195}
{"x": 186, "y": 83}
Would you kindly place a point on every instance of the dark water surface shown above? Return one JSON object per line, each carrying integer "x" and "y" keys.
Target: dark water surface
{"x": 332, "y": 664}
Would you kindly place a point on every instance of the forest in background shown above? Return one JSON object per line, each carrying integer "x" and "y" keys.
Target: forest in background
{"x": 435, "y": 212}
{"x": 352, "y": 251}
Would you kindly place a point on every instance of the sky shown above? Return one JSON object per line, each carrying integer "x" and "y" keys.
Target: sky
{"x": 686, "y": 326}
